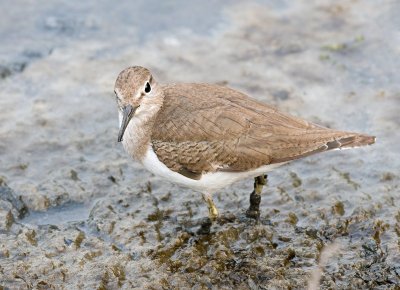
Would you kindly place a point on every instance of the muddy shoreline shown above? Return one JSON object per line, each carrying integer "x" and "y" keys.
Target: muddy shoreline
{"x": 76, "y": 212}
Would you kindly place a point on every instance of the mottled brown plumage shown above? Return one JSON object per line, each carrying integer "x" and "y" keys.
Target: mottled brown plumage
{"x": 204, "y": 128}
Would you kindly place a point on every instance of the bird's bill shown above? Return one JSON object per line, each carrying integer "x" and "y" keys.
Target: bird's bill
{"x": 127, "y": 114}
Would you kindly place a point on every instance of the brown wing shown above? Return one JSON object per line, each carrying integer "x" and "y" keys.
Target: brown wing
{"x": 203, "y": 128}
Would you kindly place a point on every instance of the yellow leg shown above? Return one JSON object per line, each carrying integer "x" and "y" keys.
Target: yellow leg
{"x": 212, "y": 209}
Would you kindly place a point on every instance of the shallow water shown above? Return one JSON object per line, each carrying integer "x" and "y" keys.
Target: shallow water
{"x": 63, "y": 214}
{"x": 98, "y": 220}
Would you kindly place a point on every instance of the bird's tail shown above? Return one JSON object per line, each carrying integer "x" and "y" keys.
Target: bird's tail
{"x": 357, "y": 140}
{"x": 329, "y": 140}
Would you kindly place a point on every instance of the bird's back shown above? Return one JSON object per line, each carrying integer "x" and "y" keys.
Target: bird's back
{"x": 204, "y": 128}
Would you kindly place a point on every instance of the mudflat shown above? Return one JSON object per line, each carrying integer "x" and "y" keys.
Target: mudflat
{"x": 76, "y": 212}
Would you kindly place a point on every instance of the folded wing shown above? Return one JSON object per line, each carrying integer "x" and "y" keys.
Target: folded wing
{"x": 204, "y": 128}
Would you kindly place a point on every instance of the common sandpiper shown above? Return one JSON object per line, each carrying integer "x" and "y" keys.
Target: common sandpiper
{"x": 206, "y": 136}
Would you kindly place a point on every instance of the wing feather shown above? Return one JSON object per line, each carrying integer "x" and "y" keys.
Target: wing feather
{"x": 204, "y": 128}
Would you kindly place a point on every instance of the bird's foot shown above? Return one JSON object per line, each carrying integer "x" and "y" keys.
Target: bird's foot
{"x": 205, "y": 227}
{"x": 253, "y": 214}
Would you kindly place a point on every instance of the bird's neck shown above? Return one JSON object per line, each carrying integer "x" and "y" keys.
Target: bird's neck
{"x": 137, "y": 136}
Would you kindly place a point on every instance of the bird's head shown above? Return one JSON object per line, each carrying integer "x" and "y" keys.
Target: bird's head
{"x": 137, "y": 93}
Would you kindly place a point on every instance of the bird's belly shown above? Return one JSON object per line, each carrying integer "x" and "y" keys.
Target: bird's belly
{"x": 209, "y": 182}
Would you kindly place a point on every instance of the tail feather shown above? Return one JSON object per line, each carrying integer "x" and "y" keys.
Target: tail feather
{"x": 356, "y": 140}
{"x": 337, "y": 140}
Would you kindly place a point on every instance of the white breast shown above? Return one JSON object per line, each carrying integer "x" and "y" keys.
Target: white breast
{"x": 209, "y": 182}
{"x": 135, "y": 133}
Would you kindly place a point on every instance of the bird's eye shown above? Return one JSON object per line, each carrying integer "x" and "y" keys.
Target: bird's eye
{"x": 147, "y": 88}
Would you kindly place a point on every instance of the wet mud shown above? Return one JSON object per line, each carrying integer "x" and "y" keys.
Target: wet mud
{"x": 77, "y": 213}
